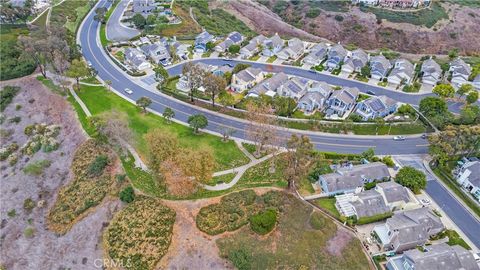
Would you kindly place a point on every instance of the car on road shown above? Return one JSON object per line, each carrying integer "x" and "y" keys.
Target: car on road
{"x": 312, "y": 71}
{"x": 399, "y": 138}
{"x": 227, "y": 59}
{"x": 128, "y": 91}
{"x": 89, "y": 64}
{"x": 424, "y": 136}
{"x": 425, "y": 201}
{"x": 371, "y": 93}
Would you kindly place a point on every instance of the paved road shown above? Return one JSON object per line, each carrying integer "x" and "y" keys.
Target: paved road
{"x": 107, "y": 70}
{"x": 116, "y": 31}
{"x": 461, "y": 216}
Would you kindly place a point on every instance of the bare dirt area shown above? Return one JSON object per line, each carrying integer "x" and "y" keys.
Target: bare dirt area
{"x": 338, "y": 242}
{"x": 364, "y": 29}
{"x": 25, "y": 241}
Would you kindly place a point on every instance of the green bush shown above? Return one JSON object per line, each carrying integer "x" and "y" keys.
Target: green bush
{"x": 36, "y": 168}
{"x": 127, "y": 195}
{"x": 264, "y": 222}
{"x": 388, "y": 161}
{"x": 317, "y": 220}
{"x": 29, "y": 232}
{"x": 97, "y": 166}
{"x": 240, "y": 259}
{"x": 6, "y": 95}
{"x": 28, "y": 204}
{"x": 10, "y": 66}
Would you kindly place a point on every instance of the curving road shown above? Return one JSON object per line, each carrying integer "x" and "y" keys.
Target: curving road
{"x": 107, "y": 70}
{"x": 116, "y": 31}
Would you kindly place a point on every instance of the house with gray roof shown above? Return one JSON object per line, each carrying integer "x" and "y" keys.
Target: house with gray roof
{"x": 315, "y": 98}
{"x": 342, "y": 101}
{"x": 431, "y": 72}
{"x": 439, "y": 257}
{"x": 272, "y": 46}
{"x": 379, "y": 67}
{"x": 368, "y": 203}
{"x": 201, "y": 41}
{"x": 316, "y": 55}
{"x": 246, "y": 79}
{"x": 295, "y": 48}
{"x": 268, "y": 86}
{"x": 350, "y": 178}
{"x": 408, "y": 229}
{"x": 157, "y": 52}
{"x": 396, "y": 196}
{"x": 234, "y": 38}
{"x": 144, "y": 7}
{"x": 460, "y": 72}
{"x": 181, "y": 50}
{"x": 294, "y": 88}
{"x": 403, "y": 72}
{"x": 136, "y": 59}
{"x": 468, "y": 176}
{"x": 252, "y": 47}
{"x": 336, "y": 55}
{"x": 374, "y": 107}
{"x": 356, "y": 61}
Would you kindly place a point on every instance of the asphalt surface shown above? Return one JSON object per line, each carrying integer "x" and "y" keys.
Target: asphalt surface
{"x": 454, "y": 209}
{"x": 107, "y": 70}
{"x": 117, "y": 31}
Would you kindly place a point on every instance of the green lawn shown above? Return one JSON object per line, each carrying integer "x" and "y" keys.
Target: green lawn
{"x": 328, "y": 204}
{"x": 69, "y": 14}
{"x": 255, "y": 57}
{"x": 260, "y": 173}
{"x": 272, "y": 59}
{"x": 99, "y": 100}
{"x": 226, "y": 178}
{"x": 92, "y": 80}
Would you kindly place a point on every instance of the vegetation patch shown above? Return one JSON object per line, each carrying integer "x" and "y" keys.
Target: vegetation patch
{"x": 453, "y": 239}
{"x": 300, "y": 241}
{"x": 36, "y": 168}
{"x": 86, "y": 190}
{"x": 263, "y": 222}
{"x": 139, "y": 235}
{"x": 10, "y": 66}
{"x": 7, "y": 94}
{"x": 41, "y": 137}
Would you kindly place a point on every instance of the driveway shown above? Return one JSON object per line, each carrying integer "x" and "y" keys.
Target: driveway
{"x": 117, "y": 31}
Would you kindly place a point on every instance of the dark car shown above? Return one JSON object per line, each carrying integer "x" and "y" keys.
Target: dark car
{"x": 371, "y": 93}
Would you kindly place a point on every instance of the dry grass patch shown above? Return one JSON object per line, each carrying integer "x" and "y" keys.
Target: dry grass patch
{"x": 139, "y": 235}
{"x": 92, "y": 182}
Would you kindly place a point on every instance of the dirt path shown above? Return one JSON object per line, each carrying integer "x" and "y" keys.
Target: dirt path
{"x": 80, "y": 247}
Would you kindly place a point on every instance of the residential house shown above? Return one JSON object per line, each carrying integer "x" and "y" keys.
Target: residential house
{"x": 157, "y": 52}
{"x": 468, "y": 176}
{"x": 315, "y": 97}
{"x": 439, "y": 256}
{"x": 374, "y": 107}
{"x": 366, "y": 2}
{"x": 403, "y": 3}
{"x": 136, "y": 59}
{"x": 246, "y": 79}
{"x": 396, "y": 196}
{"x": 317, "y": 55}
{"x": 252, "y": 47}
{"x": 144, "y": 7}
{"x": 295, "y": 48}
{"x": 181, "y": 50}
{"x": 431, "y": 72}
{"x": 460, "y": 72}
{"x": 403, "y": 72}
{"x": 408, "y": 229}
{"x": 294, "y": 88}
{"x": 476, "y": 82}
{"x": 269, "y": 86}
{"x": 356, "y": 62}
{"x": 201, "y": 41}
{"x": 335, "y": 57}
{"x": 342, "y": 101}
{"x": 221, "y": 70}
{"x": 183, "y": 83}
{"x": 350, "y": 178}
{"x": 379, "y": 67}
{"x": 234, "y": 38}
{"x": 272, "y": 45}
{"x": 367, "y": 203}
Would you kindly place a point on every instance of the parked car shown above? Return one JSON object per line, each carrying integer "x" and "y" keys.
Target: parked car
{"x": 128, "y": 91}
{"x": 371, "y": 93}
{"x": 424, "y": 136}
{"x": 312, "y": 71}
{"x": 89, "y": 64}
{"x": 425, "y": 201}
{"x": 399, "y": 138}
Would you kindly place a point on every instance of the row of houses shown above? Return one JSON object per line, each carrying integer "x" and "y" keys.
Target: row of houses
{"x": 467, "y": 175}
{"x": 394, "y": 3}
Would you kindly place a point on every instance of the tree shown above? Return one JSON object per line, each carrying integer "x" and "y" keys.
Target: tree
{"x": 365, "y": 71}
{"x": 436, "y": 110}
{"x": 213, "y": 86}
{"x": 100, "y": 14}
{"x": 197, "y": 121}
{"x": 453, "y": 53}
{"x": 464, "y": 89}
{"x": 368, "y": 154}
{"x": 228, "y": 77}
{"x": 298, "y": 157}
{"x": 151, "y": 19}
{"x": 139, "y": 21}
{"x": 444, "y": 90}
{"x": 233, "y": 49}
{"x": 168, "y": 114}
{"x": 161, "y": 74}
{"x": 195, "y": 75}
{"x": 78, "y": 69}
{"x": 210, "y": 45}
{"x": 127, "y": 195}
{"x": 143, "y": 103}
{"x": 261, "y": 127}
{"x": 453, "y": 141}
{"x": 176, "y": 181}
{"x": 412, "y": 178}
{"x": 198, "y": 164}
{"x": 470, "y": 114}
{"x": 226, "y": 99}
{"x": 284, "y": 106}
{"x": 472, "y": 97}
{"x": 35, "y": 46}
{"x": 113, "y": 126}
{"x": 161, "y": 146}
{"x": 239, "y": 67}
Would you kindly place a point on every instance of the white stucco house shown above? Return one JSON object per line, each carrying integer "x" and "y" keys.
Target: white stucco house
{"x": 468, "y": 176}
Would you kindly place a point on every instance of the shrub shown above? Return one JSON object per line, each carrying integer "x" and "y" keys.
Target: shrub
{"x": 29, "y": 130}
{"x": 127, "y": 195}
{"x": 97, "y": 166}
{"x": 339, "y": 18}
{"x": 15, "y": 119}
{"x": 388, "y": 161}
{"x": 29, "y": 232}
{"x": 240, "y": 259}
{"x": 36, "y": 168}
{"x": 411, "y": 178}
{"x": 6, "y": 95}
{"x": 12, "y": 213}
{"x": 28, "y": 204}
{"x": 18, "y": 107}
{"x": 264, "y": 222}
{"x": 317, "y": 221}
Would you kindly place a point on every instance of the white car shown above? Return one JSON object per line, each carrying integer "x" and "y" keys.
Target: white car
{"x": 89, "y": 64}
{"x": 128, "y": 91}
{"x": 425, "y": 201}
{"x": 399, "y": 138}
